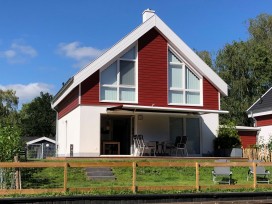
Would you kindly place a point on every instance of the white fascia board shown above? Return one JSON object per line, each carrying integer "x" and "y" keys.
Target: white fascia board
{"x": 109, "y": 55}
{"x": 186, "y": 52}
{"x": 246, "y": 128}
{"x": 40, "y": 139}
{"x": 252, "y": 115}
{"x": 259, "y": 99}
{"x": 159, "y": 108}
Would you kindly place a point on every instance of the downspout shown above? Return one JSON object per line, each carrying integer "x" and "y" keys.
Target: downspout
{"x": 57, "y": 135}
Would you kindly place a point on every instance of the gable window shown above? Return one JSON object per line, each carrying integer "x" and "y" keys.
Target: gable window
{"x": 117, "y": 82}
{"x": 184, "y": 84}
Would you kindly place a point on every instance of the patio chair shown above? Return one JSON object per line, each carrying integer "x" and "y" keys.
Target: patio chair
{"x": 261, "y": 173}
{"x": 222, "y": 172}
{"x": 181, "y": 146}
{"x": 144, "y": 147}
{"x": 137, "y": 146}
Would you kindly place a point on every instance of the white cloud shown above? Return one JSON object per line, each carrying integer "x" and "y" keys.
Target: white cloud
{"x": 27, "y": 92}
{"x": 18, "y": 53}
{"x": 83, "y": 55}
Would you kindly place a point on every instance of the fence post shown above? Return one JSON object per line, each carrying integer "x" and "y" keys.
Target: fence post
{"x": 197, "y": 175}
{"x": 254, "y": 175}
{"x": 17, "y": 174}
{"x": 134, "y": 177}
{"x": 65, "y": 177}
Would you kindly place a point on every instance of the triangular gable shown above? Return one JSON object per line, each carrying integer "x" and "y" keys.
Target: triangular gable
{"x": 154, "y": 22}
{"x": 41, "y": 139}
{"x": 263, "y": 104}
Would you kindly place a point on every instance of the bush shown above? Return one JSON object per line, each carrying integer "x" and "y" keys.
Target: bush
{"x": 228, "y": 137}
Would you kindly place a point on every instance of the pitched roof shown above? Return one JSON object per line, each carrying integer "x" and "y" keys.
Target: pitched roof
{"x": 263, "y": 104}
{"x": 153, "y": 22}
{"x": 40, "y": 139}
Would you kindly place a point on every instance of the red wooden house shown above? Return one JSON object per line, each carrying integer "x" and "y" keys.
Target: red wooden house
{"x": 149, "y": 83}
{"x": 261, "y": 114}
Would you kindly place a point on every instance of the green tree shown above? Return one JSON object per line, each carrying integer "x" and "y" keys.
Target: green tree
{"x": 10, "y": 142}
{"x": 206, "y": 57}
{"x": 10, "y": 137}
{"x": 8, "y": 107}
{"x": 38, "y": 118}
{"x": 246, "y": 66}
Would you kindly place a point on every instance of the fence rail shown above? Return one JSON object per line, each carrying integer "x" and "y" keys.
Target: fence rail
{"x": 134, "y": 187}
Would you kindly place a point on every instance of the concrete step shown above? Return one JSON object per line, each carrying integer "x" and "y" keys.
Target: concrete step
{"x": 100, "y": 173}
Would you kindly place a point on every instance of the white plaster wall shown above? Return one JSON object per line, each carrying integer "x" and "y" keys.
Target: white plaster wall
{"x": 265, "y": 134}
{"x": 68, "y": 130}
{"x": 153, "y": 127}
{"x": 209, "y": 126}
{"x": 90, "y": 130}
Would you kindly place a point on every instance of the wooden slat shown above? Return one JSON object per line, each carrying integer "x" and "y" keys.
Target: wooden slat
{"x": 226, "y": 186}
{"x": 155, "y": 188}
{"x": 165, "y": 164}
{"x": 100, "y": 164}
{"x": 30, "y": 164}
{"x": 222, "y": 164}
{"x": 87, "y": 189}
{"x": 30, "y": 191}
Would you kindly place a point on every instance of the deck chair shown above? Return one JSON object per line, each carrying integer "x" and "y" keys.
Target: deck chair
{"x": 137, "y": 147}
{"x": 222, "y": 172}
{"x": 261, "y": 173}
{"x": 181, "y": 146}
{"x": 144, "y": 147}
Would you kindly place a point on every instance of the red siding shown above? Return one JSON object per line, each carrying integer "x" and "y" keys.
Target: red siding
{"x": 90, "y": 90}
{"x": 152, "y": 69}
{"x": 264, "y": 120}
{"x": 152, "y": 77}
{"x": 69, "y": 103}
{"x": 247, "y": 138}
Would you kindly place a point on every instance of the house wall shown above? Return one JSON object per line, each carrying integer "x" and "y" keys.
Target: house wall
{"x": 69, "y": 133}
{"x": 209, "y": 128}
{"x": 90, "y": 130}
{"x": 152, "y": 78}
{"x": 69, "y": 103}
{"x": 248, "y": 138}
{"x": 265, "y": 134}
{"x": 264, "y": 120}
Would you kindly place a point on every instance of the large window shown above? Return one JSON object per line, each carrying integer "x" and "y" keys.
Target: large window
{"x": 117, "y": 82}
{"x": 184, "y": 84}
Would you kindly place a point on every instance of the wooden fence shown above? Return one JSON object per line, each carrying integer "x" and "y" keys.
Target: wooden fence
{"x": 133, "y": 165}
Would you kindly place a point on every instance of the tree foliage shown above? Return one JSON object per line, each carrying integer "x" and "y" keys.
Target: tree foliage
{"x": 10, "y": 137}
{"x": 10, "y": 142}
{"x": 38, "y": 118}
{"x": 8, "y": 107}
{"x": 246, "y": 66}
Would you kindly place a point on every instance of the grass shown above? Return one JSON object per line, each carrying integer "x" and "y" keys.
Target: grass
{"x": 146, "y": 176}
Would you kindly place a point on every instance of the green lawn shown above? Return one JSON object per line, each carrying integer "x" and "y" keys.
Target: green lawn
{"x": 146, "y": 176}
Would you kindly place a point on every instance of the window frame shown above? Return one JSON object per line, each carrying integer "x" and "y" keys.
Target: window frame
{"x": 119, "y": 86}
{"x": 183, "y": 90}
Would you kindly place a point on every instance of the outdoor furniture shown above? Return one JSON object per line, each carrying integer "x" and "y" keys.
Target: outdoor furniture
{"x": 261, "y": 173}
{"x": 181, "y": 146}
{"x": 143, "y": 147}
{"x": 222, "y": 172}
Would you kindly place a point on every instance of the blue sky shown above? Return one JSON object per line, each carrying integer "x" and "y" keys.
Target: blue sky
{"x": 43, "y": 43}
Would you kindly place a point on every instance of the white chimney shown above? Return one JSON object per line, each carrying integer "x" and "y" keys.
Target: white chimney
{"x": 148, "y": 13}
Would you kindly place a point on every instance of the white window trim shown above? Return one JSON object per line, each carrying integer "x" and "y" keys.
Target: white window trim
{"x": 118, "y": 85}
{"x": 183, "y": 90}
